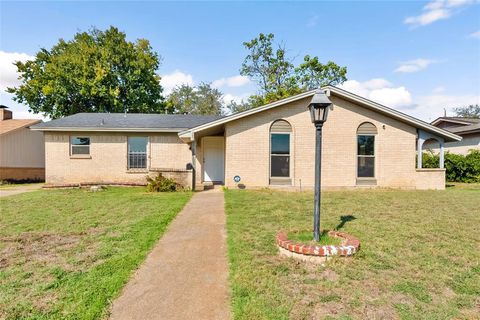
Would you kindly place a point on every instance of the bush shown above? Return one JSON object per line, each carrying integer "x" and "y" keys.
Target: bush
{"x": 459, "y": 168}
{"x": 162, "y": 184}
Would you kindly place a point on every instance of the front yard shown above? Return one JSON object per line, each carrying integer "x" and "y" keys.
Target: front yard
{"x": 65, "y": 254}
{"x": 419, "y": 257}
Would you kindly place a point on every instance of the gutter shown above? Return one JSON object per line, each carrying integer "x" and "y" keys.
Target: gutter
{"x": 95, "y": 129}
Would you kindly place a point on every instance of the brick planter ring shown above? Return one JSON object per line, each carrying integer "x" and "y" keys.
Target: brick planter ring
{"x": 318, "y": 254}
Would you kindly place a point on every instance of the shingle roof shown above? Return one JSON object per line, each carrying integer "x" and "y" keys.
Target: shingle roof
{"x": 465, "y": 129}
{"x": 129, "y": 121}
{"x": 10, "y": 125}
{"x": 463, "y": 119}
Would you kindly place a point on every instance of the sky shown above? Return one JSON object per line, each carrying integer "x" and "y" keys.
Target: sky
{"x": 417, "y": 57}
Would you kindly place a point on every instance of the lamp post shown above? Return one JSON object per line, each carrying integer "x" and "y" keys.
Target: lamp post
{"x": 318, "y": 111}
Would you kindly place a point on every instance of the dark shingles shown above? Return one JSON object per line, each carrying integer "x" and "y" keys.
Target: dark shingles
{"x": 128, "y": 121}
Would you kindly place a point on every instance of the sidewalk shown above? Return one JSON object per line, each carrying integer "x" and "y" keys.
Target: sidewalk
{"x": 17, "y": 189}
{"x": 186, "y": 274}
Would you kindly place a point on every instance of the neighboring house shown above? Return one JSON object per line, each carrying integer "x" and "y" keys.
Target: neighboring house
{"x": 22, "y": 151}
{"x": 364, "y": 144}
{"x": 467, "y": 128}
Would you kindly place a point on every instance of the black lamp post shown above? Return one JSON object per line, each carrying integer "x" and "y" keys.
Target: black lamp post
{"x": 318, "y": 111}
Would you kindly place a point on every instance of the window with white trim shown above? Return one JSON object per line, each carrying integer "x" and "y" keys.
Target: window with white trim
{"x": 79, "y": 146}
{"x": 137, "y": 152}
{"x": 280, "y": 132}
{"x": 366, "y": 133}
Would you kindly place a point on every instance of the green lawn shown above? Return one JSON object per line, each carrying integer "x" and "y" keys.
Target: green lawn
{"x": 65, "y": 254}
{"x": 419, "y": 257}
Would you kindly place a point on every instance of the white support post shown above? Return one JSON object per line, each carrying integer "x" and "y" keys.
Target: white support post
{"x": 420, "y": 142}
{"x": 442, "y": 156}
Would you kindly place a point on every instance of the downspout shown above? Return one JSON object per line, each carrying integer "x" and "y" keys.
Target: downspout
{"x": 193, "y": 147}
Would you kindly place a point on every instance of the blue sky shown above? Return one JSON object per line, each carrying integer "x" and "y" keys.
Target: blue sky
{"x": 417, "y": 57}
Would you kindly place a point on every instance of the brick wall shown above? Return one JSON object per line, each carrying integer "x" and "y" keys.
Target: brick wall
{"x": 248, "y": 145}
{"x": 107, "y": 162}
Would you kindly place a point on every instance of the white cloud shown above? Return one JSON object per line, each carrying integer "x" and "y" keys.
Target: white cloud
{"x": 235, "y": 81}
{"x": 381, "y": 91}
{"x": 414, "y": 65}
{"x": 438, "y": 89}
{"x": 174, "y": 79}
{"x": 437, "y": 10}
{"x": 430, "y": 107}
{"x": 475, "y": 34}
{"x": 8, "y": 71}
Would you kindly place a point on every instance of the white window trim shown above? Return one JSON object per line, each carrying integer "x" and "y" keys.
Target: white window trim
{"x": 147, "y": 154}
{"x": 79, "y": 155}
{"x": 270, "y": 154}
{"x": 366, "y": 156}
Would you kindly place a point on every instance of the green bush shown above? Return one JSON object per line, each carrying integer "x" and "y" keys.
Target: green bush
{"x": 162, "y": 184}
{"x": 459, "y": 168}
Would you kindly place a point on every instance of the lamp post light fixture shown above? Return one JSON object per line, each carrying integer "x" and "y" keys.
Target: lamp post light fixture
{"x": 318, "y": 106}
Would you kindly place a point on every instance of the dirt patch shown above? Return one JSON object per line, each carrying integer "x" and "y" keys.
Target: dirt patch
{"x": 323, "y": 310}
{"x": 330, "y": 275}
{"x": 43, "y": 248}
{"x": 383, "y": 312}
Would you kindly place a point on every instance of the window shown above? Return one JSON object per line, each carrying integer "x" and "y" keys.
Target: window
{"x": 280, "y": 155}
{"x": 280, "y": 149}
{"x": 366, "y": 150}
{"x": 79, "y": 146}
{"x": 137, "y": 152}
{"x": 366, "y": 156}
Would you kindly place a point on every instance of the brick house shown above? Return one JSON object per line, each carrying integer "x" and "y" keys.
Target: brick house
{"x": 467, "y": 128}
{"x": 364, "y": 144}
{"x": 22, "y": 151}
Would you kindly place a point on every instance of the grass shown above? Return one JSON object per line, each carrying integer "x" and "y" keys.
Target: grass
{"x": 419, "y": 256}
{"x": 305, "y": 237}
{"x": 66, "y": 254}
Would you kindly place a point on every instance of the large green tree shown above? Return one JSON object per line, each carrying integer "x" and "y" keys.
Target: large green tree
{"x": 97, "y": 71}
{"x": 202, "y": 99}
{"x": 268, "y": 65}
{"x": 470, "y": 111}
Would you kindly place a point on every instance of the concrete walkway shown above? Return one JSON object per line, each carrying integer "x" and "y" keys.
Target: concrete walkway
{"x": 185, "y": 276}
{"x": 17, "y": 189}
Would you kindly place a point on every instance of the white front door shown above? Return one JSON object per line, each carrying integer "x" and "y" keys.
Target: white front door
{"x": 213, "y": 159}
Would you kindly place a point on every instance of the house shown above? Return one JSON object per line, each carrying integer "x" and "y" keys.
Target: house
{"x": 467, "y": 128}
{"x": 22, "y": 151}
{"x": 364, "y": 144}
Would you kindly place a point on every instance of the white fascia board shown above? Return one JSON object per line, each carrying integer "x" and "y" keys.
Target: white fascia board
{"x": 394, "y": 114}
{"x": 417, "y": 123}
{"x": 86, "y": 129}
{"x": 239, "y": 115}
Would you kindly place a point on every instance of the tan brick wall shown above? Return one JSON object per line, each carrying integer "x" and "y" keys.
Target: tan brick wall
{"x": 108, "y": 158}
{"x": 248, "y": 144}
{"x": 430, "y": 179}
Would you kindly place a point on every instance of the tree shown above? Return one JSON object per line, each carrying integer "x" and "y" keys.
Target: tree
{"x": 471, "y": 111}
{"x": 202, "y": 99}
{"x": 312, "y": 74}
{"x": 276, "y": 75}
{"x": 97, "y": 71}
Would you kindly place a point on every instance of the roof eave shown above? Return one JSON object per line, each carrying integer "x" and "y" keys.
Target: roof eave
{"x": 93, "y": 129}
{"x": 448, "y": 136}
{"x": 186, "y": 133}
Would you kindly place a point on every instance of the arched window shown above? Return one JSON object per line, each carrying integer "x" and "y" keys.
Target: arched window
{"x": 280, "y": 132}
{"x": 366, "y": 133}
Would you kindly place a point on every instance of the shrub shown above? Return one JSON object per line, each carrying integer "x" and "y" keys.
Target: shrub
{"x": 162, "y": 184}
{"x": 459, "y": 168}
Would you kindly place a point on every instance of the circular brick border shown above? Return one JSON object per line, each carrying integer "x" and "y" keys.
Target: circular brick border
{"x": 348, "y": 247}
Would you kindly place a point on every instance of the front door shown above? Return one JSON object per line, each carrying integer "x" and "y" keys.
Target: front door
{"x": 213, "y": 159}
